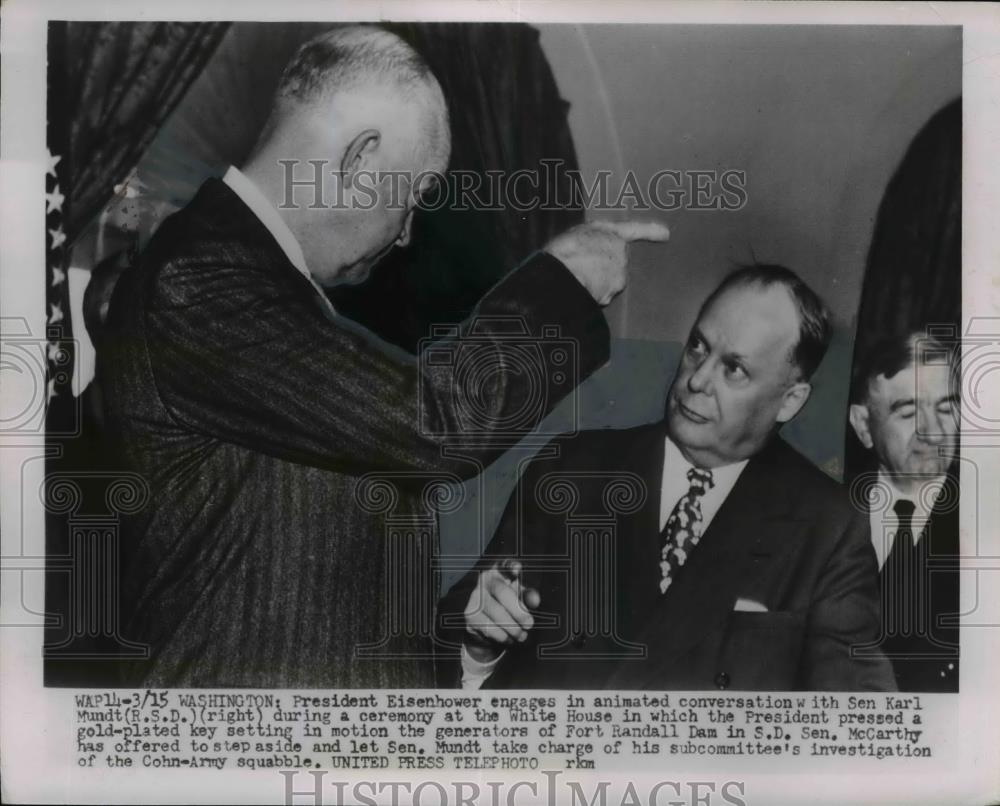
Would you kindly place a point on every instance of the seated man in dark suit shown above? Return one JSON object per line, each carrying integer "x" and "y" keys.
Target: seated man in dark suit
{"x": 699, "y": 552}
{"x": 904, "y": 408}
{"x": 251, "y": 408}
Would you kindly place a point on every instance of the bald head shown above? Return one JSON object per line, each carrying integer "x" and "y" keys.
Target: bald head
{"x": 359, "y": 114}
{"x": 352, "y": 67}
{"x": 349, "y": 56}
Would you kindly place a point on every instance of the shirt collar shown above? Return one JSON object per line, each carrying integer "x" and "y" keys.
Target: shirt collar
{"x": 251, "y": 196}
{"x": 724, "y": 476}
{"x": 923, "y": 499}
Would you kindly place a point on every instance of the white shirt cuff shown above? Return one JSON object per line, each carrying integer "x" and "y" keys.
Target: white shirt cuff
{"x": 474, "y": 672}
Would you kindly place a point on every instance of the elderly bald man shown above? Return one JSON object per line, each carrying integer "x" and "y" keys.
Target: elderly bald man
{"x": 252, "y": 409}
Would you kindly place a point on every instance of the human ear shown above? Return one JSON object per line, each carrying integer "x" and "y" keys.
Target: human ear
{"x": 359, "y": 150}
{"x": 794, "y": 399}
{"x": 404, "y": 234}
{"x": 859, "y": 417}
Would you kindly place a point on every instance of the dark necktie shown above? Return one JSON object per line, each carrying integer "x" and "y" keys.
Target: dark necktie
{"x": 682, "y": 530}
{"x": 900, "y": 575}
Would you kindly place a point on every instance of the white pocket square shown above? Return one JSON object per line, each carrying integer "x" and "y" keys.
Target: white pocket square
{"x": 748, "y": 606}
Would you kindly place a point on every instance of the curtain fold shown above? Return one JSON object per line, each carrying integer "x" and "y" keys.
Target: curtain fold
{"x": 914, "y": 270}
{"x": 122, "y": 80}
{"x": 913, "y": 275}
{"x": 110, "y": 87}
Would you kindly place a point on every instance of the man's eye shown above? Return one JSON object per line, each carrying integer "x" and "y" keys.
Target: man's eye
{"x": 696, "y": 347}
{"x": 907, "y": 413}
{"x": 735, "y": 372}
{"x": 945, "y": 408}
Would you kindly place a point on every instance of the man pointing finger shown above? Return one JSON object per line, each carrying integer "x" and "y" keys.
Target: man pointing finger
{"x": 252, "y": 408}
{"x": 597, "y": 253}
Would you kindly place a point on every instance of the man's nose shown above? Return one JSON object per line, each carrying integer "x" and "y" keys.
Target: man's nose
{"x": 932, "y": 427}
{"x": 405, "y": 233}
{"x": 700, "y": 379}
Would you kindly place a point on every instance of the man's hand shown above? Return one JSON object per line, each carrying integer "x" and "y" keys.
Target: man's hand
{"x": 597, "y": 253}
{"x": 497, "y": 612}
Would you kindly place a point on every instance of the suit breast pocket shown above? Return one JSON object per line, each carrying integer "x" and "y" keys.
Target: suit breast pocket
{"x": 762, "y": 650}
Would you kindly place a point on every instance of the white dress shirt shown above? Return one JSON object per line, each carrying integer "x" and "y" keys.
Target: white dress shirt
{"x": 673, "y": 485}
{"x": 883, "y": 521}
{"x": 251, "y": 196}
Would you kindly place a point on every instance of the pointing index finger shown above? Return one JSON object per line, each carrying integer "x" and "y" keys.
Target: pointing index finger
{"x": 634, "y": 230}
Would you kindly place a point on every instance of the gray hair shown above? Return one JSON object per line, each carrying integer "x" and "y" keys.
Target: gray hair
{"x": 353, "y": 56}
{"x": 349, "y": 56}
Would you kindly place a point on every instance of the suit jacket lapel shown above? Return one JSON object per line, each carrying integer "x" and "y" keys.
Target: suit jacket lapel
{"x": 744, "y": 536}
{"x": 942, "y": 527}
{"x": 638, "y": 533}
{"x": 218, "y": 203}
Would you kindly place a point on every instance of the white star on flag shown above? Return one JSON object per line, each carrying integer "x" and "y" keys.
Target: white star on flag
{"x": 54, "y": 201}
{"x": 58, "y": 276}
{"x": 53, "y": 162}
{"x": 52, "y": 388}
{"x": 56, "y": 315}
{"x": 58, "y": 237}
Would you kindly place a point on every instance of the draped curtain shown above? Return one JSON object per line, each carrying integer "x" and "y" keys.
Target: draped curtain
{"x": 506, "y": 115}
{"x": 110, "y": 87}
{"x": 913, "y": 276}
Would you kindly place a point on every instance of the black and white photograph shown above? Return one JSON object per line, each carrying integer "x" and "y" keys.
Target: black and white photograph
{"x": 500, "y": 392}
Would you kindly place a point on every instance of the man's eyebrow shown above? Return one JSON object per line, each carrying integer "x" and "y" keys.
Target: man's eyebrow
{"x": 896, "y": 405}
{"x": 952, "y": 398}
{"x": 739, "y": 358}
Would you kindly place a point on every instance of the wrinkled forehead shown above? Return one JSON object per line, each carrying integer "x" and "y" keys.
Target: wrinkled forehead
{"x": 760, "y": 323}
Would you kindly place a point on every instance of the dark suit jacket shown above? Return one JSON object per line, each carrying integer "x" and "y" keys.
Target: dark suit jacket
{"x": 252, "y": 416}
{"x": 786, "y": 537}
{"x": 925, "y": 657}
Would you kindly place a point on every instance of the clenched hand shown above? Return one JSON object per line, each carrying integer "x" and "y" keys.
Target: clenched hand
{"x": 497, "y": 613}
